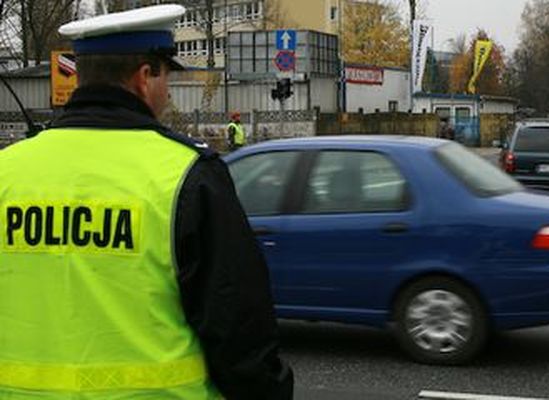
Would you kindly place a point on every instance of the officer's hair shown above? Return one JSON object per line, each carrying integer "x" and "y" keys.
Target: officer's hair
{"x": 109, "y": 69}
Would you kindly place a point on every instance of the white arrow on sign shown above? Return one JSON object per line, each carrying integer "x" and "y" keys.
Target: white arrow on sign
{"x": 286, "y": 39}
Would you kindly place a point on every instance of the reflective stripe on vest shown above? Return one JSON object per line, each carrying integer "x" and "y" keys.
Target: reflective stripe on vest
{"x": 239, "y": 135}
{"x": 188, "y": 371}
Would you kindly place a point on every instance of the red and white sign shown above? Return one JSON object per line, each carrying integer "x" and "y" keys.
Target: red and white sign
{"x": 285, "y": 60}
{"x": 364, "y": 75}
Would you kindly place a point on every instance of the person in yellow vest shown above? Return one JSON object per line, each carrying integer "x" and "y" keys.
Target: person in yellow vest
{"x": 128, "y": 269}
{"x": 235, "y": 132}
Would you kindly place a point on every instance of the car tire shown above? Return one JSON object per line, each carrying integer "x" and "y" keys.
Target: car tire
{"x": 440, "y": 321}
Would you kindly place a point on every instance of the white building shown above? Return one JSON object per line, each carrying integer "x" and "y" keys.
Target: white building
{"x": 376, "y": 89}
{"x": 460, "y": 106}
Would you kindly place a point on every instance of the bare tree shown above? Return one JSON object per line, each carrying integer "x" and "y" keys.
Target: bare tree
{"x": 2, "y": 8}
{"x": 208, "y": 21}
{"x": 458, "y": 45}
{"x": 29, "y": 27}
{"x": 528, "y": 78}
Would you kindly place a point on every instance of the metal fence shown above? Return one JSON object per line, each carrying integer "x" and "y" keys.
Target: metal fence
{"x": 266, "y": 125}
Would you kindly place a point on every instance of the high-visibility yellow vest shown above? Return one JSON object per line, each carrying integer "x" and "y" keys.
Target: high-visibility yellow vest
{"x": 239, "y": 136}
{"x": 89, "y": 301}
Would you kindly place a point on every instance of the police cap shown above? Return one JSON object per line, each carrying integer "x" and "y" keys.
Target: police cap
{"x": 141, "y": 31}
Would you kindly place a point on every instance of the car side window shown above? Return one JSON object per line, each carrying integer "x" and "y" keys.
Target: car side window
{"x": 261, "y": 179}
{"x": 354, "y": 182}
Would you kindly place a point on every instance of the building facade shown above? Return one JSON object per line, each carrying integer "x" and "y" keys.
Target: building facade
{"x": 248, "y": 15}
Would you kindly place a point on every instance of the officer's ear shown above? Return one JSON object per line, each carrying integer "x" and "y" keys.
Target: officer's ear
{"x": 139, "y": 81}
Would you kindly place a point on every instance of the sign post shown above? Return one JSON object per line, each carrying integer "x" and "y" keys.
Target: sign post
{"x": 285, "y": 61}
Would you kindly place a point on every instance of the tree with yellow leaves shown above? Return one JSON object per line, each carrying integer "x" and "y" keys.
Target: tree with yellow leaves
{"x": 491, "y": 80}
{"x": 374, "y": 33}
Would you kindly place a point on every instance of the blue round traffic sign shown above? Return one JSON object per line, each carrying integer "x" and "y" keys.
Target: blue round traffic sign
{"x": 285, "y": 60}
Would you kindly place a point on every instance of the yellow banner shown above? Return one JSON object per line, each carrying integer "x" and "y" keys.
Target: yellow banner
{"x": 63, "y": 77}
{"x": 483, "y": 49}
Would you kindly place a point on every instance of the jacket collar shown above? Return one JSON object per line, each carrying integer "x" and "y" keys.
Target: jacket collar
{"x": 105, "y": 106}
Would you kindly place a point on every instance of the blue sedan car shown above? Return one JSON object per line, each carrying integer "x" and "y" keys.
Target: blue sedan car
{"x": 412, "y": 233}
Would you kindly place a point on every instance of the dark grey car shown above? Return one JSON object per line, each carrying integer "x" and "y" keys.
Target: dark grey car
{"x": 525, "y": 155}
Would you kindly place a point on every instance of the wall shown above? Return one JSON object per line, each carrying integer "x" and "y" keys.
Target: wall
{"x": 248, "y": 96}
{"x": 487, "y": 105}
{"x": 495, "y": 127}
{"x": 308, "y": 14}
{"x": 430, "y": 104}
{"x": 498, "y": 107}
{"x": 379, "y": 124}
{"x": 34, "y": 93}
{"x": 371, "y": 97}
{"x": 324, "y": 94}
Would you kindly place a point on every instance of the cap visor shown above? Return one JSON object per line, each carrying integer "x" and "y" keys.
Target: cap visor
{"x": 175, "y": 64}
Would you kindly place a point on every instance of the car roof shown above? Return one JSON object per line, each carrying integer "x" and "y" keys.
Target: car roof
{"x": 350, "y": 141}
{"x": 542, "y": 122}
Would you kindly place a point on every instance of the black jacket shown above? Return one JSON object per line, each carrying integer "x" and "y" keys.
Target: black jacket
{"x": 223, "y": 278}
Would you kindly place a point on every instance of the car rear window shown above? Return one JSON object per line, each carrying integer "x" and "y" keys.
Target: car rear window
{"x": 533, "y": 139}
{"x": 477, "y": 174}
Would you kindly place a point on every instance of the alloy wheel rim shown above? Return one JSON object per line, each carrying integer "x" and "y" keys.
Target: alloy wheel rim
{"x": 439, "y": 321}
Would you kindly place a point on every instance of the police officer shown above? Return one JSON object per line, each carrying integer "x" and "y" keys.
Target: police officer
{"x": 235, "y": 132}
{"x": 127, "y": 267}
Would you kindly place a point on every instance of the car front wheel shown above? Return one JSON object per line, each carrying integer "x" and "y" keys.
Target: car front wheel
{"x": 440, "y": 321}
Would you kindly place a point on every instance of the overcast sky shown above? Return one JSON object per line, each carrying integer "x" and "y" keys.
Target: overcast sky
{"x": 501, "y": 18}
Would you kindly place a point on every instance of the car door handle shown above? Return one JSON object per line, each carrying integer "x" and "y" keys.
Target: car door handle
{"x": 395, "y": 227}
{"x": 262, "y": 230}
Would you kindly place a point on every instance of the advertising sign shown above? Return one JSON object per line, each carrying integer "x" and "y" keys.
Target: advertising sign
{"x": 421, "y": 33}
{"x": 63, "y": 77}
{"x": 483, "y": 49}
{"x": 364, "y": 75}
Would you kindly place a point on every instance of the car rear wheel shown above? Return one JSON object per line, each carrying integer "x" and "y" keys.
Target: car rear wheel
{"x": 440, "y": 321}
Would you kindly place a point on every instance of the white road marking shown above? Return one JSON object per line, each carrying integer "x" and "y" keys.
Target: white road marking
{"x": 430, "y": 395}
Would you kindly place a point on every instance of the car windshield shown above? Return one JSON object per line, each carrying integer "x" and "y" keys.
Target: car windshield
{"x": 533, "y": 140}
{"x": 478, "y": 175}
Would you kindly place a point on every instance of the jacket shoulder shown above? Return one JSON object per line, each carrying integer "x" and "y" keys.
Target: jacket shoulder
{"x": 201, "y": 147}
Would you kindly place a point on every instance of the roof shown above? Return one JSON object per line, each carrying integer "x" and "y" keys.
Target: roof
{"x": 535, "y": 122}
{"x": 397, "y": 69}
{"x": 455, "y": 96}
{"x": 503, "y": 99}
{"x": 472, "y": 97}
{"x": 38, "y": 71}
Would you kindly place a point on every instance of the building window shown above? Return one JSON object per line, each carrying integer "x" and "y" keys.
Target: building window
{"x": 234, "y": 13}
{"x": 200, "y": 47}
{"x": 443, "y": 112}
{"x": 333, "y": 13}
{"x": 219, "y": 46}
{"x": 393, "y": 106}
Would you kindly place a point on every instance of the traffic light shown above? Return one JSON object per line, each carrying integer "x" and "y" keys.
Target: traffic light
{"x": 283, "y": 90}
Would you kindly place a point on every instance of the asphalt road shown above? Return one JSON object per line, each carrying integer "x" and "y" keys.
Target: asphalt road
{"x": 343, "y": 362}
